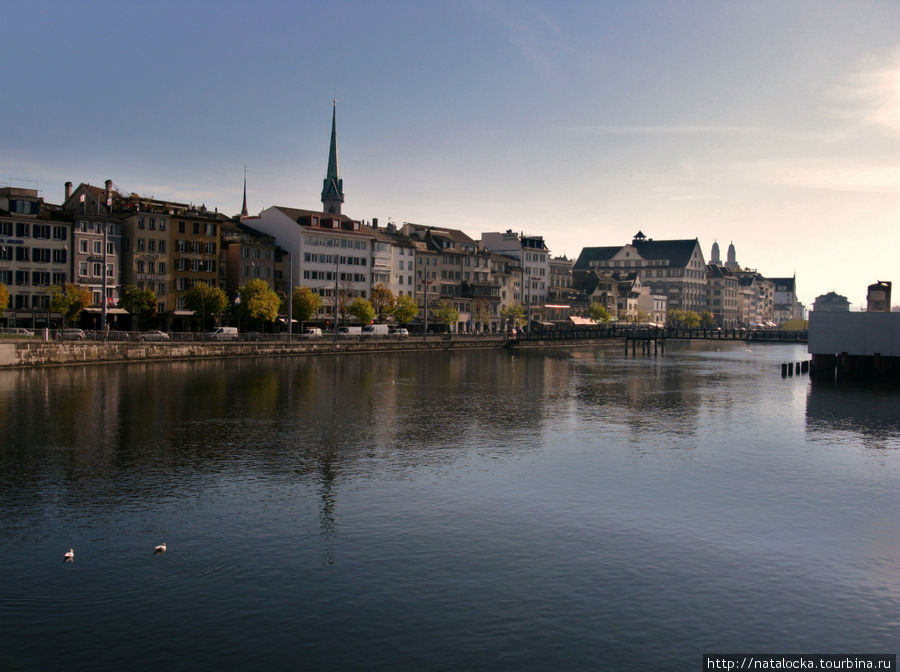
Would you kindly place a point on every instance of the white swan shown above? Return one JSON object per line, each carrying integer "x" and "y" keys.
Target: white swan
{"x": 68, "y": 557}
{"x": 159, "y": 549}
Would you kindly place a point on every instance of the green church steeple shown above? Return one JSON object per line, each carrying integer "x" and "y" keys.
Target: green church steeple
{"x": 333, "y": 185}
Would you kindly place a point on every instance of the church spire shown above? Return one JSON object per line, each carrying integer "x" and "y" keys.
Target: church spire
{"x": 244, "y": 212}
{"x": 333, "y": 185}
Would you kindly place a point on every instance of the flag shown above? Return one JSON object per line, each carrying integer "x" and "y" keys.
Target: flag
{"x": 109, "y": 202}
{"x": 81, "y": 198}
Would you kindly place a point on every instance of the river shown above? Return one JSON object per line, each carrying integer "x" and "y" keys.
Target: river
{"x": 532, "y": 510}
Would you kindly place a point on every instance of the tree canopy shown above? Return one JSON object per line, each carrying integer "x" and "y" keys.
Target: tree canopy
{"x": 683, "y": 318}
{"x": 362, "y": 310}
{"x": 306, "y": 303}
{"x": 514, "y": 314}
{"x": 405, "y": 309}
{"x": 206, "y": 301}
{"x": 599, "y": 313}
{"x": 69, "y": 301}
{"x": 707, "y": 320}
{"x": 382, "y": 301}
{"x": 4, "y": 299}
{"x": 259, "y": 302}
{"x": 446, "y": 313}
{"x": 138, "y": 301}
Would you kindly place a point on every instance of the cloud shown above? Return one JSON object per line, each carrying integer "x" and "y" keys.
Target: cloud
{"x": 872, "y": 95}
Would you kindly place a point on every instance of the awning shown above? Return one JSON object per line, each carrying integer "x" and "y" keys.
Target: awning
{"x": 555, "y": 306}
{"x": 183, "y": 313}
{"x": 109, "y": 311}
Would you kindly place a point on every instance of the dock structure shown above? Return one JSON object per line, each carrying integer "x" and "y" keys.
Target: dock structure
{"x": 855, "y": 346}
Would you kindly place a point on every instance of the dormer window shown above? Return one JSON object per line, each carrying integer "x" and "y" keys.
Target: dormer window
{"x": 335, "y": 223}
{"x": 315, "y": 221}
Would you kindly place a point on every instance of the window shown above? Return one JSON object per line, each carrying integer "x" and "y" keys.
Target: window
{"x": 6, "y": 228}
{"x": 59, "y": 278}
{"x": 195, "y": 227}
{"x": 210, "y": 229}
{"x": 22, "y": 254}
{"x": 82, "y": 269}
{"x": 98, "y": 270}
{"x": 162, "y": 246}
{"x": 110, "y": 248}
{"x": 41, "y": 231}
{"x": 97, "y": 246}
{"x": 141, "y": 244}
{"x": 152, "y": 224}
{"x": 40, "y": 255}
{"x": 151, "y": 245}
{"x": 140, "y": 222}
{"x": 181, "y": 227}
{"x": 139, "y": 266}
{"x": 211, "y": 248}
{"x": 161, "y": 266}
{"x": 151, "y": 267}
{"x": 22, "y": 230}
{"x": 162, "y": 224}
{"x": 60, "y": 233}
{"x": 83, "y": 246}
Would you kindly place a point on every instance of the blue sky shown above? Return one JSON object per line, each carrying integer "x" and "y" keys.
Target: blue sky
{"x": 775, "y": 125}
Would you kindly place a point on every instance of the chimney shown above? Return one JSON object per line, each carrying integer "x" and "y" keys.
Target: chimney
{"x": 108, "y": 185}
{"x": 68, "y": 191}
{"x": 375, "y": 222}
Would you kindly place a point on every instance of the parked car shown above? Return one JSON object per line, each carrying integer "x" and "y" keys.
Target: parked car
{"x": 18, "y": 331}
{"x": 72, "y": 334}
{"x": 400, "y": 332}
{"x": 313, "y": 332}
{"x": 374, "y": 330}
{"x": 349, "y": 332}
{"x": 155, "y": 335}
{"x": 223, "y": 334}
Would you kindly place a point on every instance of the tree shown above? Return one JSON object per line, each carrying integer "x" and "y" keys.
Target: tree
{"x": 707, "y": 320}
{"x": 259, "y": 302}
{"x": 405, "y": 309}
{"x": 691, "y": 319}
{"x": 362, "y": 310}
{"x": 599, "y": 313}
{"x": 206, "y": 301}
{"x": 138, "y": 301}
{"x": 382, "y": 301}
{"x": 306, "y": 303}
{"x": 4, "y": 299}
{"x": 481, "y": 312}
{"x": 514, "y": 315}
{"x": 69, "y": 301}
{"x": 675, "y": 317}
{"x": 446, "y": 313}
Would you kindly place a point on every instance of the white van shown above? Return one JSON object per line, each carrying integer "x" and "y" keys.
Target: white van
{"x": 349, "y": 332}
{"x": 223, "y": 334}
{"x": 312, "y": 332}
{"x": 375, "y": 330}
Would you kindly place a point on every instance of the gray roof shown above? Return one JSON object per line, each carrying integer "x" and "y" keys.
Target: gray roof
{"x": 677, "y": 252}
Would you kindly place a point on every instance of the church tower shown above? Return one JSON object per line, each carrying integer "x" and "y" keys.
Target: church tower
{"x": 244, "y": 212}
{"x": 732, "y": 259}
{"x": 333, "y": 185}
{"x": 714, "y": 257}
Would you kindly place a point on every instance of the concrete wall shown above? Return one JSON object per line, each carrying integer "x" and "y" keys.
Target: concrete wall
{"x": 854, "y": 333}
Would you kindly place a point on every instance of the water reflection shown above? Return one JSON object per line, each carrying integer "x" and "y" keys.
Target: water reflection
{"x": 869, "y": 412}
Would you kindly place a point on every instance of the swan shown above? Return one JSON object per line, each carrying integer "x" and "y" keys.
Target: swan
{"x": 68, "y": 557}
{"x": 159, "y": 549}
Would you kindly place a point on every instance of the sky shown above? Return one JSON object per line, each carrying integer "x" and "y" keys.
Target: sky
{"x": 774, "y": 125}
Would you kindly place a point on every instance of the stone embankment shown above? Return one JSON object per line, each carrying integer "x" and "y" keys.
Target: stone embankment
{"x": 37, "y": 354}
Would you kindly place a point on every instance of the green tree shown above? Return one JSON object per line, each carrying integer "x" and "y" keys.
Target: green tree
{"x": 382, "y": 301}
{"x": 707, "y": 320}
{"x": 446, "y": 313}
{"x": 514, "y": 315}
{"x": 676, "y": 317}
{"x": 206, "y": 301}
{"x": 691, "y": 319}
{"x": 4, "y": 299}
{"x": 481, "y": 312}
{"x": 69, "y": 301}
{"x": 306, "y": 304}
{"x": 137, "y": 301}
{"x": 259, "y": 303}
{"x": 599, "y": 313}
{"x": 362, "y": 310}
{"x": 405, "y": 309}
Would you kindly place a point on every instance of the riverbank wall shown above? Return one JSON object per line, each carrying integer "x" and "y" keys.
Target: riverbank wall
{"x": 42, "y": 354}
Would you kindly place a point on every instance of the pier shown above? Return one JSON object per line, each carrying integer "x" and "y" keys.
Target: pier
{"x": 855, "y": 346}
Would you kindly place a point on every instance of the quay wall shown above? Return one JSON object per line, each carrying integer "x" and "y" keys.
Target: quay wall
{"x": 37, "y": 354}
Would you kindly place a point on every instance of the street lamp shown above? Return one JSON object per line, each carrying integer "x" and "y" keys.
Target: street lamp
{"x": 290, "y": 295}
